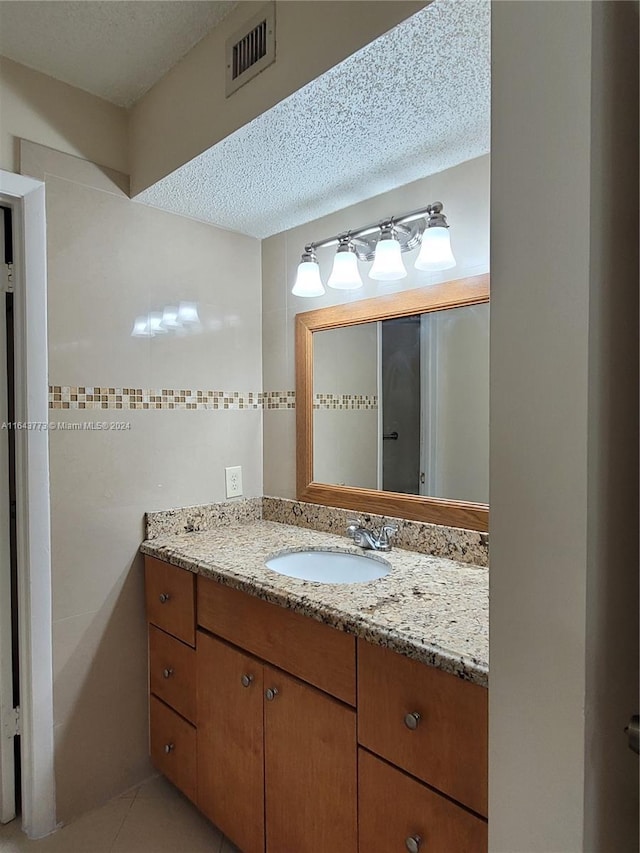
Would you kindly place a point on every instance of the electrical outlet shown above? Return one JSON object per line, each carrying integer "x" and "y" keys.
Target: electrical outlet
{"x": 233, "y": 481}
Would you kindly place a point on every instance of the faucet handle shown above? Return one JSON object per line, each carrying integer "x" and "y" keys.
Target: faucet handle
{"x": 354, "y": 524}
{"x": 387, "y": 529}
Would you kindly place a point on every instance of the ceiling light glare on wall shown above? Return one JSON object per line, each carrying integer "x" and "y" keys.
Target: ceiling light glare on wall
{"x": 308, "y": 281}
{"x": 182, "y": 319}
{"x": 345, "y": 274}
{"x": 141, "y": 328}
{"x": 383, "y": 243}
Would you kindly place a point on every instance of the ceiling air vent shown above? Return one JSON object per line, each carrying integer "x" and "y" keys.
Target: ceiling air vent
{"x": 251, "y": 49}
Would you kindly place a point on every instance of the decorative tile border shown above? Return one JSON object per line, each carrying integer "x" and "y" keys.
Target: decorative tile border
{"x": 345, "y": 401}
{"x": 279, "y": 399}
{"x": 95, "y": 397}
{"x": 463, "y": 546}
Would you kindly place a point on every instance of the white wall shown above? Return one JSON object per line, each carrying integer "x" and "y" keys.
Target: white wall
{"x": 187, "y": 108}
{"x": 464, "y": 191}
{"x": 110, "y": 260}
{"x": 41, "y": 109}
{"x": 564, "y": 427}
{"x": 345, "y": 440}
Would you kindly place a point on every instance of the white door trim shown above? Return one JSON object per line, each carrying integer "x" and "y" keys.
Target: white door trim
{"x": 27, "y": 199}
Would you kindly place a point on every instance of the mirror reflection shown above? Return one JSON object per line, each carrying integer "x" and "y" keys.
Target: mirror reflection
{"x": 402, "y": 404}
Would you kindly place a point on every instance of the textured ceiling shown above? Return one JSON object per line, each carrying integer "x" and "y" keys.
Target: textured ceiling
{"x": 410, "y": 104}
{"x": 116, "y": 50}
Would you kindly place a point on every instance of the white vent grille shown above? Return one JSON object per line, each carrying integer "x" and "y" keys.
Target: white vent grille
{"x": 251, "y": 49}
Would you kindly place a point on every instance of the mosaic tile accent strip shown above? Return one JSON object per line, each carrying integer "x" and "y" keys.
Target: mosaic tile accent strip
{"x": 279, "y": 399}
{"x": 454, "y": 543}
{"x": 195, "y": 519}
{"x": 95, "y": 397}
{"x": 345, "y": 401}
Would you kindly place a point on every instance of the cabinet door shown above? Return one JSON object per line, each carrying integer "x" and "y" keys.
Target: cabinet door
{"x": 230, "y": 741}
{"x": 397, "y": 814}
{"x": 172, "y": 746}
{"x": 310, "y": 769}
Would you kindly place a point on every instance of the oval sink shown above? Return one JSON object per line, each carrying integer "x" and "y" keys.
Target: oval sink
{"x": 328, "y": 566}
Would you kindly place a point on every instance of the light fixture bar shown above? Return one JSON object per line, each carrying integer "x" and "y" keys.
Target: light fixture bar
{"x": 374, "y": 228}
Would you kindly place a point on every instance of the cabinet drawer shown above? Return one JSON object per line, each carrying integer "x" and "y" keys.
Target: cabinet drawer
{"x": 172, "y": 672}
{"x": 172, "y": 745}
{"x": 394, "y": 808}
{"x": 170, "y": 596}
{"x": 446, "y": 744}
{"x": 302, "y": 646}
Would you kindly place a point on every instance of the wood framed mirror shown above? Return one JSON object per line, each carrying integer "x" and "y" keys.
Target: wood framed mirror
{"x": 450, "y": 347}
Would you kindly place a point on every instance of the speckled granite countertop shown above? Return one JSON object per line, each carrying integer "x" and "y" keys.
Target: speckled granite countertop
{"x": 431, "y": 609}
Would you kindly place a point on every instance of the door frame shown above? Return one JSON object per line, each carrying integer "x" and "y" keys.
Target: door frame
{"x": 26, "y": 197}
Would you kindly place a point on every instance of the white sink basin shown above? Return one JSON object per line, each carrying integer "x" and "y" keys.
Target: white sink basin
{"x": 328, "y": 566}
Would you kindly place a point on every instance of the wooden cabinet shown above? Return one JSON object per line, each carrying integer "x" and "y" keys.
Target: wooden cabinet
{"x": 284, "y": 731}
{"x": 172, "y": 672}
{"x": 397, "y": 813}
{"x": 170, "y": 594}
{"x": 276, "y": 757}
{"x": 429, "y": 723}
{"x": 302, "y": 646}
{"x": 230, "y": 742}
{"x": 172, "y": 746}
{"x": 310, "y": 769}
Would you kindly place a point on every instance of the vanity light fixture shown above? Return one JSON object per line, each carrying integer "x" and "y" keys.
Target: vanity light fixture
{"x": 345, "y": 274}
{"x": 383, "y": 243}
{"x": 308, "y": 281}
{"x": 435, "y": 252}
{"x": 387, "y": 263}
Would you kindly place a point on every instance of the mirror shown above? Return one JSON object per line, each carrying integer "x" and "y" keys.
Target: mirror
{"x": 393, "y": 404}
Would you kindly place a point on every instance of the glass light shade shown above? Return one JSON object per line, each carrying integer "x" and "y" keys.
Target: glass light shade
{"x": 308, "y": 281}
{"x": 345, "y": 274}
{"x": 141, "y": 328}
{"x": 387, "y": 263}
{"x": 155, "y": 324}
{"x": 170, "y": 317}
{"x": 188, "y": 313}
{"x": 435, "y": 252}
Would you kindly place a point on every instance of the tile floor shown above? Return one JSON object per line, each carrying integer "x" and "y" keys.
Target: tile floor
{"x": 152, "y": 818}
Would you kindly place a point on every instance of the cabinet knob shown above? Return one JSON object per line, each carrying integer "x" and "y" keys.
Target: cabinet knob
{"x": 412, "y": 843}
{"x": 169, "y": 747}
{"x": 164, "y": 597}
{"x": 167, "y": 673}
{"x": 271, "y": 693}
{"x": 411, "y": 721}
{"x": 246, "y": 680}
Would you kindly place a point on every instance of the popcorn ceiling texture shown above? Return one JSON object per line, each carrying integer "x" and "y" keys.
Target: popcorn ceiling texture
{"x": 114, "y": 50}
{"x": 463, "y": 546}
{"x": 412, "y": 103}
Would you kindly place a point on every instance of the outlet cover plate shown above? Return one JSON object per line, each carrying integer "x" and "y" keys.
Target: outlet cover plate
{"x": 233, "y": 481}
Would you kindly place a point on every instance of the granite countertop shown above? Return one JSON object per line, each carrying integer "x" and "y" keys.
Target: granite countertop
{"x": 432, "y": 609}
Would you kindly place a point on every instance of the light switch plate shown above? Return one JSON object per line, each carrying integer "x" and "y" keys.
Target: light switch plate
{"x": 233, "y": 481}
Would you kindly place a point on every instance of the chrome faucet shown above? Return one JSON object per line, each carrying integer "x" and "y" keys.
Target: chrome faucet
{"x": 377, "y": 540}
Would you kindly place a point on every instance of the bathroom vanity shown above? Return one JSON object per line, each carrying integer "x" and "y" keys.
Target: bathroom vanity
{"x": 328, "y": 718}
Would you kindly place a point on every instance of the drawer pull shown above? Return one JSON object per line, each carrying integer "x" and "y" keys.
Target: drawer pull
{"x": 411, "y": 722}
{"x": 412, "y": 843}
{"x": 169, "y": 747}
{"x": 167, "y": 673}
{"x": 164, "y": 597}
{"x": 246, "y": 680}
{"x": 271, "y": 693}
